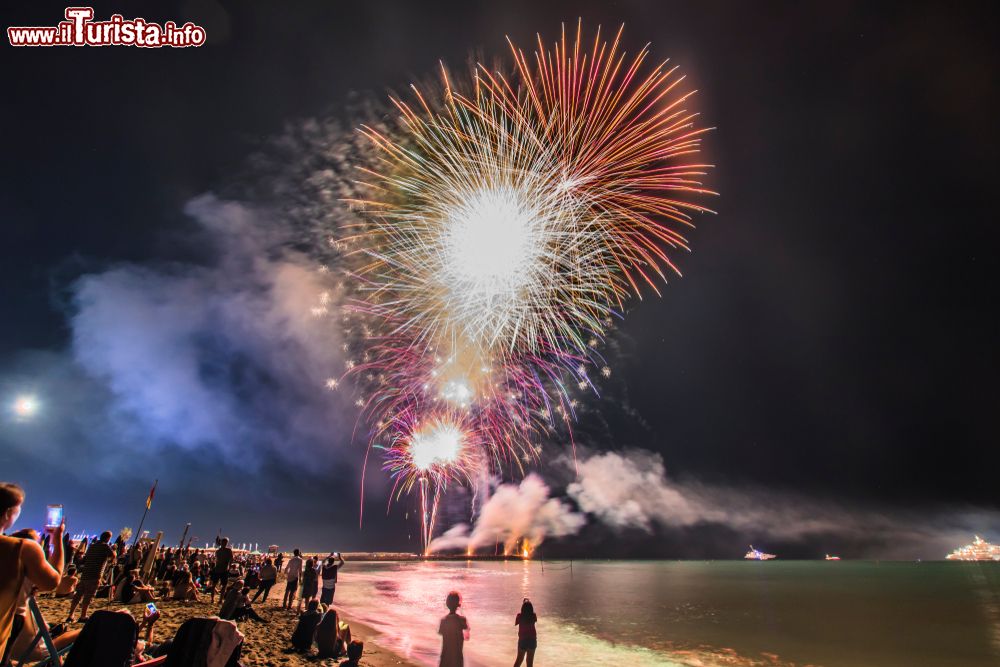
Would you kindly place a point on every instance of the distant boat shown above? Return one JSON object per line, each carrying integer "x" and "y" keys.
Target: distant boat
{"x": 754, "y": 554}
{"x": 980, "y": 549}
{"x": 829, "y": 557}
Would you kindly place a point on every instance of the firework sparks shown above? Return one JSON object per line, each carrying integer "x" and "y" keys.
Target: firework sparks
{"x": 521, "y": 216}
{"x": 503, "y": 224}
{"x": 430, "y": 454}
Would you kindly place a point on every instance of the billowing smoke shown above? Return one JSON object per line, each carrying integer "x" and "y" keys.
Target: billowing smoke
{"x": 228, "y": 355}
{"x": 231, "y": 355}
{"x": 516, "y": 516}
{"x": 633, "y": 491}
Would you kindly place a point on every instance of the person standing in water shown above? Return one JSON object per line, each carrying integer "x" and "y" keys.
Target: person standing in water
{"x": 454, "y": 631}
{"x": 527, "y": 640}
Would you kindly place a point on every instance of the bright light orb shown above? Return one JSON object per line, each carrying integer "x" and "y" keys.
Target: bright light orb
{"x": 438, "y": 444}
{"x": 25, "y": 407}
{"x": 491, "y": 243}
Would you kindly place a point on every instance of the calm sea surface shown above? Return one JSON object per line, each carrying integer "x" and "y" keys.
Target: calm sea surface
{"x": 641, "y": 613}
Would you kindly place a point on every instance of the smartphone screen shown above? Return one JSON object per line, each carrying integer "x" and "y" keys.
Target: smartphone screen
{"x": 54, "y": 516}
{"x": 151, "y": 609}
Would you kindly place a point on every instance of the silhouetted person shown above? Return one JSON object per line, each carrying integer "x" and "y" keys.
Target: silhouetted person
{"x": 293, "y": 570}
{"x": 268, "y": 577}
{"x": 310, "y": 582}
{"x": 330, "y": 568}
{"x": 231, "y": 600}
{"x": 223, "y": 559}
{"x": 354, "y": 652}
{"x": 305, "y": 629}
{"x": 244, "y": 608}
{"x": 527, "y": 640}
{"x": 332, "y": 637}
{"x": 99, "y": 554}
{"x": 454, "y": 631}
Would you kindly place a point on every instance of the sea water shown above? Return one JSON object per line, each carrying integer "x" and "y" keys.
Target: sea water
{"x": 662, "y": 613}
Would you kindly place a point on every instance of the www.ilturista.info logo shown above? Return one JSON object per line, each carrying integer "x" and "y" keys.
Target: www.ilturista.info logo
{"x": 80, "y": 30}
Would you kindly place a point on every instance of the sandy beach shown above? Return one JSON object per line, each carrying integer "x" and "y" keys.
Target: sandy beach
{"x": 264, "y": 644}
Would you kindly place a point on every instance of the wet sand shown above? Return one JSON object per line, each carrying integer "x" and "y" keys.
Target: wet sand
{"x": 264, "y": 644}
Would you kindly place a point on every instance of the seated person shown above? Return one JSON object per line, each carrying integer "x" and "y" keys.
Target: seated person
{"x": 176, "y": 574}
{"x": 24, "y": 630}
{"x": 332, "y": 636}
{"x": 67, "y": 585}
{"x": 354, "y": 651}
{"x": 245, "y": 609}
{"x": 132, "y": 590}
{"x": 61, "y": 638}
{"x": 185, "y": 589}
{"x": 305, "y": 630}
{"x": 231, "y": 601}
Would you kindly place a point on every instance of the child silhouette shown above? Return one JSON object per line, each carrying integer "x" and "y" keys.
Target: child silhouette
{"x": 454, "y": 631}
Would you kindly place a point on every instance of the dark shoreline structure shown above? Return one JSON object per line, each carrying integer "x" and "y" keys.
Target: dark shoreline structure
{"x": 374, "y": 556}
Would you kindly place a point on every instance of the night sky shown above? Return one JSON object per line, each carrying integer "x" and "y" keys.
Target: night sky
{"x": 833, "y": 339}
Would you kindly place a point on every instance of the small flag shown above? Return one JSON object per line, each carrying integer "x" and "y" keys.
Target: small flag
{"x": 152, "y": 492}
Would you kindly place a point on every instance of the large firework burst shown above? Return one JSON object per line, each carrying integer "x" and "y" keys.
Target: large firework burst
{"x": 503, "y": 222}
{"x": 518, "y": 216}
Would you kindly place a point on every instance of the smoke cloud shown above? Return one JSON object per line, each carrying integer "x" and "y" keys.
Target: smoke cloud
{"x": 514, "y": 512}
{"x": 229, "y": 355}
{"x": 633, "y": 491}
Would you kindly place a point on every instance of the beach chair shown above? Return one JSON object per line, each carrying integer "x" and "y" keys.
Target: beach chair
{"x": 197, "y": 638}
{"x": 43, "y": 636}
{"x": 107, "y": 640}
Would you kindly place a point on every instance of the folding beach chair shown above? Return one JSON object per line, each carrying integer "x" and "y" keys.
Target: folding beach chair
{"x": 55, "y": 657}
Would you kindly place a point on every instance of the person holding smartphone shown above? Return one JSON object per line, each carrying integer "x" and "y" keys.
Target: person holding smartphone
{"x": 22, "y": 559}
{"x": 330, "y": 568}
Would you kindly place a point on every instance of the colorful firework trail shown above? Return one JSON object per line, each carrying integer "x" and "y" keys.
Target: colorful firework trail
{"x": 504, "y": 222}
{"x": 429, "y": 452}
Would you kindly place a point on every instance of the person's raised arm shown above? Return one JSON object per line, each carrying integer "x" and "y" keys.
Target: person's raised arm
{"x": 39, "y": 571}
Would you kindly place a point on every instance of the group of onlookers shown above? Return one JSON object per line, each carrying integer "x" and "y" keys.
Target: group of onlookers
{"x": 134, "y": 574}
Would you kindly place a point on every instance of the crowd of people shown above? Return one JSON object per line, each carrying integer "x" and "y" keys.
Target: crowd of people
{"x": 144, "y": 573}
